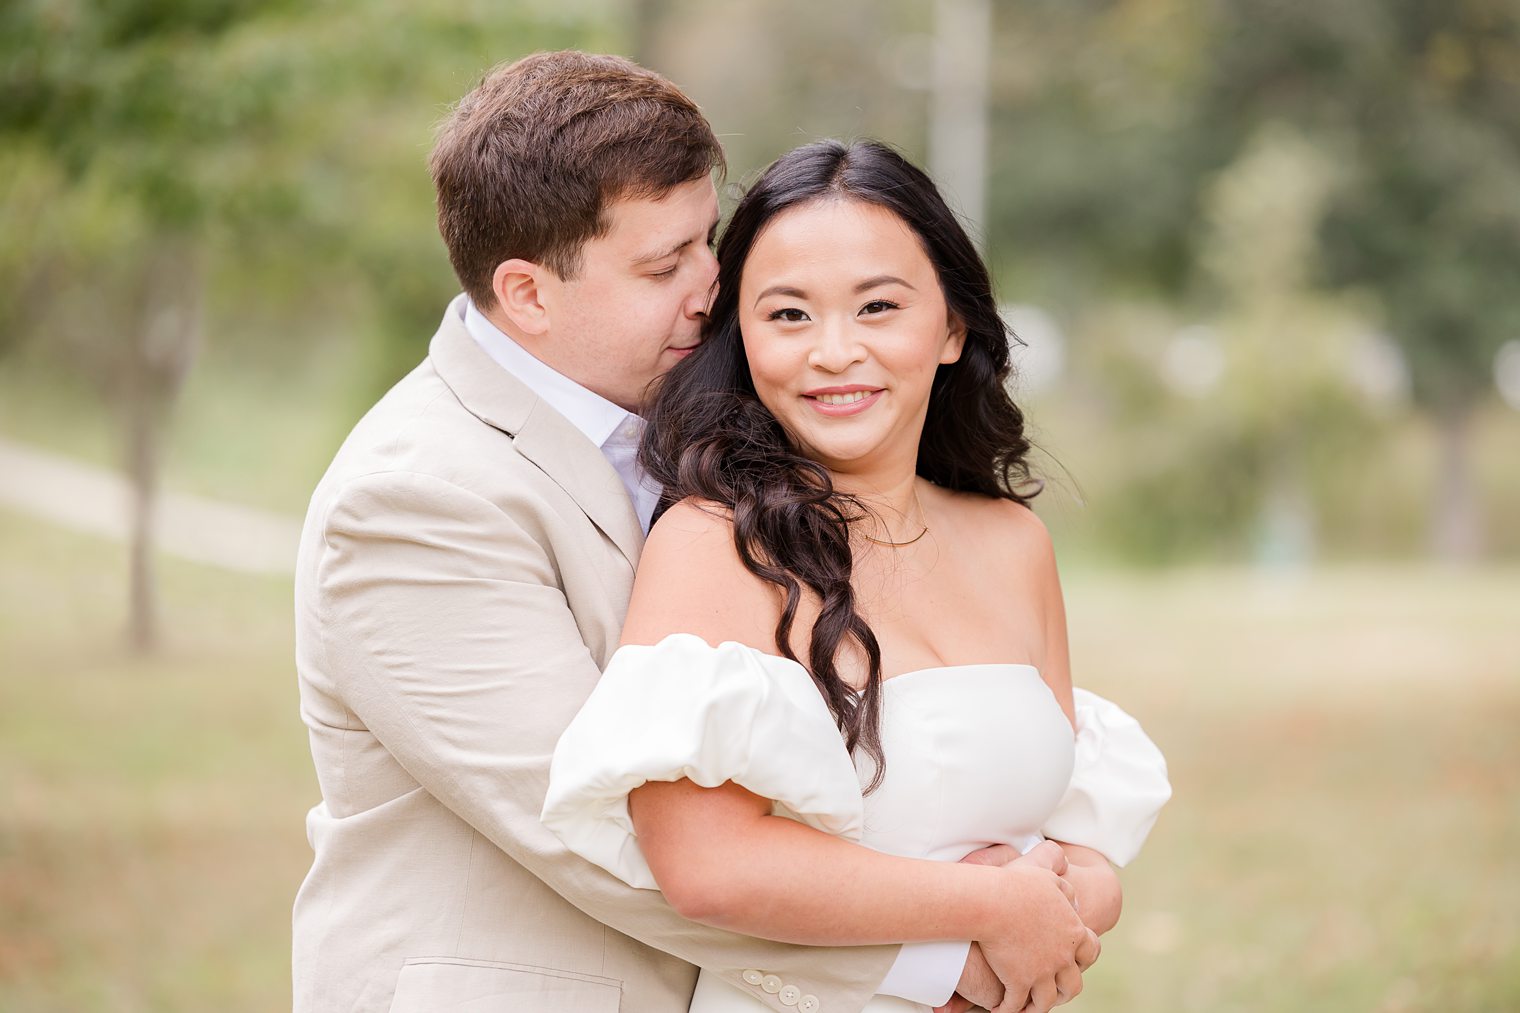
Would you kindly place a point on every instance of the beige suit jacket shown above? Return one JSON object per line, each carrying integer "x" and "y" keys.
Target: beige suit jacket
{"x": 463, "y": 577}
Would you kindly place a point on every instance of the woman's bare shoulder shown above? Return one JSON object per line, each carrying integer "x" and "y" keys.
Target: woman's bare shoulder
{"x": 692, "y": 580}
{"x": 1010, "y": 531}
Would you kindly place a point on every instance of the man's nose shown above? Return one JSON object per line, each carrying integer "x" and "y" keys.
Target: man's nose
{"x": 702, "y": 304}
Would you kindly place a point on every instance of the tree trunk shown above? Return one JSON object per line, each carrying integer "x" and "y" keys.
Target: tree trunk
{"x": 958, "y": 112}
{"x": 142, "y": 470}
{"x": 645, "y": 20}
{"x": 158, "y": 357}
{"x": 1287, "y": 525}
{"x": 1457, "y": 526}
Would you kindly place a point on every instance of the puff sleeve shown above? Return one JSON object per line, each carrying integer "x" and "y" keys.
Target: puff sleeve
{"x": 1118, "y": 783}
{"x": 685, "y": 709}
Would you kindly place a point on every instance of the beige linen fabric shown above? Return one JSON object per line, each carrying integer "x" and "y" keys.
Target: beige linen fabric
{"x": 463, "y": 576}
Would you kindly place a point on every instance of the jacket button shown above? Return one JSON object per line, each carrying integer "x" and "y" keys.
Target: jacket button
{"x": 807, "y": 1004}
{"x": 789, "y": 995}
{"x": 752, "y": 977}
{"x": 771, "y": 984}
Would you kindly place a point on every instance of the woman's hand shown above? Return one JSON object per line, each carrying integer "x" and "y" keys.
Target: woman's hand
{"x": 980, "y": 985}
{"x": 1037, "y": 945}
{"x": 1099, "y": 894}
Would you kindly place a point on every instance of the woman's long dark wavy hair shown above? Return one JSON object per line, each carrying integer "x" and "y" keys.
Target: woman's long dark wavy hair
{"x": 710, "y": 437}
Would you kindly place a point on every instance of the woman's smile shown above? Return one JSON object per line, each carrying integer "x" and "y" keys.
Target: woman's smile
{"x": 837, "y": 402}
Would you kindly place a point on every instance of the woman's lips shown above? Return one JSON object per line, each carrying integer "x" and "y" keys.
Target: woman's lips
{"x": 838, "y": 402}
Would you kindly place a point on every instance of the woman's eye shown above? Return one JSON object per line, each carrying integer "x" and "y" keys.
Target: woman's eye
{"x": 791, "y": 315}
{"x": 878, "y": 306}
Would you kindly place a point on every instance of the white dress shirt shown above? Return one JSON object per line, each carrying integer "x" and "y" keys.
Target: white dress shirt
{"x": 923, "y": 972}
{"x": 615, "y": 432}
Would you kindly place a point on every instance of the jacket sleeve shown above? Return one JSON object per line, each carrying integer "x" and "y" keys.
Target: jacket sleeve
{"x": 449, "y": 637}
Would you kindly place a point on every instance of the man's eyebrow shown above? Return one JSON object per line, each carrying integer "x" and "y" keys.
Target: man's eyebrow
{"x": 650, "y": 258}
{"x": 787, "y": 290}
{"x": 882, "y": 279}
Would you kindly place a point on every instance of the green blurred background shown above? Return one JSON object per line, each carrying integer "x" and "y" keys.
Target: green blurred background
{"x": 1265, "y": 257}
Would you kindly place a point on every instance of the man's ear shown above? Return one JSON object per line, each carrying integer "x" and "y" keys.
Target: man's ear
{"x": 518, "y": 295}
{"x": 955, "y": 341}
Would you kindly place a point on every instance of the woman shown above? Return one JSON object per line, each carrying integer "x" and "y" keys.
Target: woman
{"x": 849, "y": 572}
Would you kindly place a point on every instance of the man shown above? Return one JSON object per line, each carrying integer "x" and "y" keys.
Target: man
{"x": 465, "y": 569}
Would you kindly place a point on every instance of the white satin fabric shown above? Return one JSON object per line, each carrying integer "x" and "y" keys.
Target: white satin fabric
{"x": 975, "y": 755}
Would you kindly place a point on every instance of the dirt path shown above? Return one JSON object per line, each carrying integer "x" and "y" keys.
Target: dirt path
{"x": 94, "y": 500}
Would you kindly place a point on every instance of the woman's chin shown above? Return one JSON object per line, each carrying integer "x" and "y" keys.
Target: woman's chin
{"x": 844, "y": 457}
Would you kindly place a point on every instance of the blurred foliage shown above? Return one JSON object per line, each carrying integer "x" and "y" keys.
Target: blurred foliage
{"x": 1273, "y": 185}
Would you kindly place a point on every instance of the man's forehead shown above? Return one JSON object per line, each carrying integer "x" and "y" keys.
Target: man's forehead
{"x": 640, "y": 222}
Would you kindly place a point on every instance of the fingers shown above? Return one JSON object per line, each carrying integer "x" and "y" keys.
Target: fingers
{"x": 957, "y": 1004}
{"x": 1013, "y": 1002}
{"x": 1057, "y": 856}
{"x": 1088, "y": 950}
{"x": 1069, "y": 983}
{"x": 1069, "y": 890}
{"x": 996, "y": 854}
{"x": 1044, "y": 997}
{"x": 1045, "y": 855}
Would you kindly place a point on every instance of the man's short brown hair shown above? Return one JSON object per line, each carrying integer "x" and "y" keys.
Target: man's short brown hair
{"x": 528, "y": 162}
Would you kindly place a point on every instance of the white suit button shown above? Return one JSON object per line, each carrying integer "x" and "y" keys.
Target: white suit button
{"x": 789, "y": 995}
{"x": 752, "y": 977}
{"x": 808, "y": 1004}
{"x": 771, "y": 984}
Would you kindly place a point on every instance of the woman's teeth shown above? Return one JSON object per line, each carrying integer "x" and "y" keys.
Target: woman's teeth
{"x": 851, "y": 398}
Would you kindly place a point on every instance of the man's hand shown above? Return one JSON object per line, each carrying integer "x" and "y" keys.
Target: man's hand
{"x": 1046, "y": 854}
{"x": 1041, "y": 947}
{"x": 980, "y": 986}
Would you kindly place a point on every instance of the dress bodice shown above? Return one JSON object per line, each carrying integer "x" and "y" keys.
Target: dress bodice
{"x": 975, "y": 755}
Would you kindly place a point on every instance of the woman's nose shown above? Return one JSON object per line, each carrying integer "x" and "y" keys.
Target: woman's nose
{"x": 836, "y": 348}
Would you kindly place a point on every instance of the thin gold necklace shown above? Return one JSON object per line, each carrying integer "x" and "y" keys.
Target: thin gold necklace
{"x": 898, "y": 545}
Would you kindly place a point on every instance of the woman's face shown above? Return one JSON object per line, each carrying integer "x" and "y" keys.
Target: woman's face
{"x": 844, "y": 324}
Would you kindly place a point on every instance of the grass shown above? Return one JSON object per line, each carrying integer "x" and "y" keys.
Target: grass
{"x": 1347, "y": 781}
{"x": 1342, "y": 744}
{"x": 151, "y": 830}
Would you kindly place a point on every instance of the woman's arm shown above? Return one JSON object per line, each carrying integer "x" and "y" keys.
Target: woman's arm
{"x": 722, "y": 858}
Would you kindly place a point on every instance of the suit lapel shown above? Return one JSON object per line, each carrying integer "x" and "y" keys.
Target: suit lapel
{"x": 539, "y": 433}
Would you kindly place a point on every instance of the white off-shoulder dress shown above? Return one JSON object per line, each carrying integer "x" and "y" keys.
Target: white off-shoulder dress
{"x": 975, "y": 755}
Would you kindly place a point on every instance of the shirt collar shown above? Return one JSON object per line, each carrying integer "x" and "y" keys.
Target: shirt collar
{"x": 603, "y": 422}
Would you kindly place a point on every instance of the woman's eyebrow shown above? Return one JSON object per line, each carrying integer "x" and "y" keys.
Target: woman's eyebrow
{"x": 787, "y": 290}
{"x": 882, "y": 279}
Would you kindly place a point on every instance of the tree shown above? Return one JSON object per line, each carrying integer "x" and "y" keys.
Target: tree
{"x": 149, "y": 108}
{"x": 164, "y": 140}
{"x": 1423, "y": 100}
